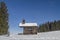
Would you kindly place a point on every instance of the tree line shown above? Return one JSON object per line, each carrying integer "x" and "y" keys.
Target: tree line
{"x": 49, "y": 26}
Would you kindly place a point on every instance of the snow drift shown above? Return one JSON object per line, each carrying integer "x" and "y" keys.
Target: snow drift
{"x": 54, "y": 35}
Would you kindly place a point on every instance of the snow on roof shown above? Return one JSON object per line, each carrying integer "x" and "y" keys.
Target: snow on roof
{"x": 28, "y": 24}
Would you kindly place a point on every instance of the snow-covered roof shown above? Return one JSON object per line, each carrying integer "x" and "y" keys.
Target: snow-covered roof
{"x": 28, "y": 24}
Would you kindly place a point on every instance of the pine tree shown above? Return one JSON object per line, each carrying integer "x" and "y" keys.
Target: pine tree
{"x": 3, "y": 19}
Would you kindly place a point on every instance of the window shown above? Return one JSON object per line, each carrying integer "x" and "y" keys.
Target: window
{"x": 30, "y": 29}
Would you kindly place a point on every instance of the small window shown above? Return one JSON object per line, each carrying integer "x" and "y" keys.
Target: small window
{"x": 30, "y": 29}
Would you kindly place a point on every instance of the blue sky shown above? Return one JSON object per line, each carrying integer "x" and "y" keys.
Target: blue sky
{"x": 39, "y": 11}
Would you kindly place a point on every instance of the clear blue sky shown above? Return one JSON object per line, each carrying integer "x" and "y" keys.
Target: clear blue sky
{"x": 39, "y": 11}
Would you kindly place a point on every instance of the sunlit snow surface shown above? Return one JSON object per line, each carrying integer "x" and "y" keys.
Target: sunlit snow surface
{"x": 54, "y": 35}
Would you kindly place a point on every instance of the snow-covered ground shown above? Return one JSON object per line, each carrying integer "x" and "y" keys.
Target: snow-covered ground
{"x": 54, "y": 35}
